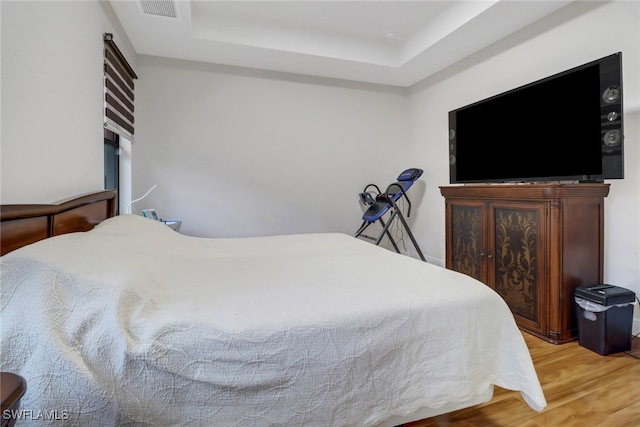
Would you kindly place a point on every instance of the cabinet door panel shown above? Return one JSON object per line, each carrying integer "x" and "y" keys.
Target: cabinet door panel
{"x": 517, "y": 273}
{"x": 466, "y": 240}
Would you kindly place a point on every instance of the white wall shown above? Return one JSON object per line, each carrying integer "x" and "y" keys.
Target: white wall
{"x": 237, "y": 152}
{"x": 579, "y": 33}
{"x": 52, "y": 98}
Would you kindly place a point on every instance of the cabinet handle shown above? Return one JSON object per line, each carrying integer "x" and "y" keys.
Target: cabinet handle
{"x": 482, "y": 254}
{"x": 490, "y": 256}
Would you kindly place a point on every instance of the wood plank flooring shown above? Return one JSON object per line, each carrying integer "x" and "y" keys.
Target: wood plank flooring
{"x": 582, "y": 388}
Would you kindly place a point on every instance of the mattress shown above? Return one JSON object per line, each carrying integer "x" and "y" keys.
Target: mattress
{"x": 134, "y": 324}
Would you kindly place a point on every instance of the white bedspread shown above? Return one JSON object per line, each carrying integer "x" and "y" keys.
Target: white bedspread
{"x": 135, "y": 324}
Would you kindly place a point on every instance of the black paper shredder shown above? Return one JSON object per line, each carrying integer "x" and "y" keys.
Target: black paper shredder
{"x": 605, "y": 318}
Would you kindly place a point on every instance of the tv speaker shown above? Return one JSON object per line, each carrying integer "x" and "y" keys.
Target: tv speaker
{"x": 611, "y": 94}
{"x": 452, "y": 147}
{"x": 612, "y": 138}
{"x": 612, "y": 141}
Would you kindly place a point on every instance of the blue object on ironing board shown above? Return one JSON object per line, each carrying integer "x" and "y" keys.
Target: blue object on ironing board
{"x": 384, "y": 202}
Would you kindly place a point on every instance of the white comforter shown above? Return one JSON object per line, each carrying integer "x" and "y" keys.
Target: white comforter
{"x": 134, "y": 324}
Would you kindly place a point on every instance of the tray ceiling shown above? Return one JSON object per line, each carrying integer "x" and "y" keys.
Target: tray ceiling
{"x": 396, "y": 43}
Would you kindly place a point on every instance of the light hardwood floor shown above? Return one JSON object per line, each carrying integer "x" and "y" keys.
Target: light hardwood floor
{"x": 582, "y": 389}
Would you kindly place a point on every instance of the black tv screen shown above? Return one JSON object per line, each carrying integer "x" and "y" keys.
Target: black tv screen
{"x": 565, "y": 127}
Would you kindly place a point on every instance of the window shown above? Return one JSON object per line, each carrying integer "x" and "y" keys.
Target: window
{"x": 118, "y": 121}
{"x": 112, "y": 163}
{"x": 118, "y": 89}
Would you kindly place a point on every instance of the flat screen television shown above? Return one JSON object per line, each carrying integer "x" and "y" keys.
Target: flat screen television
{"x": 566, "y": 127}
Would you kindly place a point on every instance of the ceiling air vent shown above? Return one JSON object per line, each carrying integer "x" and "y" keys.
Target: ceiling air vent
{"x": 159, "y": 8}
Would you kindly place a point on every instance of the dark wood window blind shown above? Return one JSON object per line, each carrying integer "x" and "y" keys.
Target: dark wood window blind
{"x": 118, "y": 87}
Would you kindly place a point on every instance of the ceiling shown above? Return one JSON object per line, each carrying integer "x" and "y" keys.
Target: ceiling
{"x": 395, "y": 43}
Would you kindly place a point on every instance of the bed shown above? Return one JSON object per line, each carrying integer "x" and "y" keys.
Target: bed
{"x": 119, "y": 320}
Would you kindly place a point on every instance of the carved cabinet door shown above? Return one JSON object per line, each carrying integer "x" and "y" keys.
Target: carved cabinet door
{"x": 517, "y": 247}
{"x": 466, "y": 238}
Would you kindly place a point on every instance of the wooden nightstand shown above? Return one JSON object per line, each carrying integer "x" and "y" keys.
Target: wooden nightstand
{"x": 12, "y": 388}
